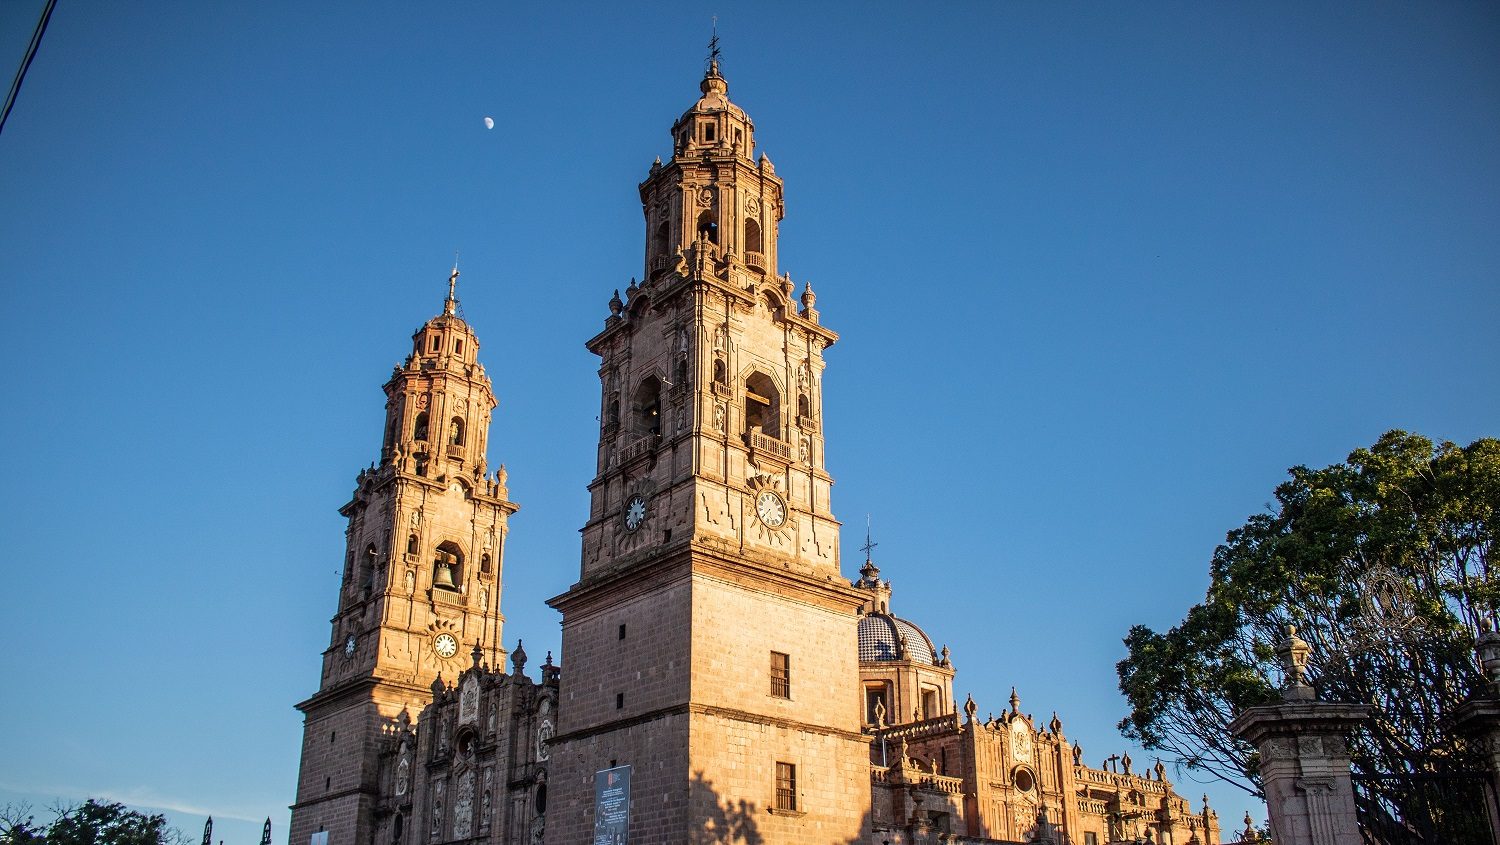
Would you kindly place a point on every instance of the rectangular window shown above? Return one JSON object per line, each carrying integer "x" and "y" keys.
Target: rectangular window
{"x": 1090, "y": 838}
{"x": 619, "y": 701}
{"x": 622, "y": 630}
{"x": 786, "y": 786}
{"x": 929, "y": 704}
{"x": 781, "y": 675}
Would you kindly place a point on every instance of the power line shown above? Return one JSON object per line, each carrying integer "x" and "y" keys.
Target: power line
{"x": 36, "y": 41}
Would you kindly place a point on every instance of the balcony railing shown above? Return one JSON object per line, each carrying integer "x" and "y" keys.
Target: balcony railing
{"x": 762, "y": 442}
{"x": 644, "y": 445}
{"x": 758, "y": 261}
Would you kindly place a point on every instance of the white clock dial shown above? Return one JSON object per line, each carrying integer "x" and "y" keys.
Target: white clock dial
{"x": 349, "y": 646}
{"x": 770, "y": 508}
{"x": 635, "y": 512}
{"x": 445, "y": 645}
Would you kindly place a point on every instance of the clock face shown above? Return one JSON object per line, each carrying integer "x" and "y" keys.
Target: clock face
{"x": 349, "y": 646}
{"x": 445, "y": 645}
{"x": 635, "y": 512}
{"x": 770, "y": 508}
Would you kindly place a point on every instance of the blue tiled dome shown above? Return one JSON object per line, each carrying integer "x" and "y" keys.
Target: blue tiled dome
{"x": 880, "y": 637}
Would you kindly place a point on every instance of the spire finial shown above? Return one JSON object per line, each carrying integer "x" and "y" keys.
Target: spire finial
{"x": 452, "y": 301}
{"x": 713, "y": 49}
{"x": 870, "y": 572}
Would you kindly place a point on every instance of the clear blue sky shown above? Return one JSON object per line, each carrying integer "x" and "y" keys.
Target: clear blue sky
{"x": 1102, "y": 271}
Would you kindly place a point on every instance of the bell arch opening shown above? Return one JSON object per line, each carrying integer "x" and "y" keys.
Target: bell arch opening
{"x": 762, "y": 406}
{"x": 447, "y": 567}
{"x": 708, "y": 228}
{"x": 647, "y": 407}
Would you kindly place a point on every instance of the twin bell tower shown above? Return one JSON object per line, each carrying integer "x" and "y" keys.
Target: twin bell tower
{"x": 709, "y": 643}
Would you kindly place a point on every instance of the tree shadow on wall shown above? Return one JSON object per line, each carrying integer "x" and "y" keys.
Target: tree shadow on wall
{"x": 715, "y": 822}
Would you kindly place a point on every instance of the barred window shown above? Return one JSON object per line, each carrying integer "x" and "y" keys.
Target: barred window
{"x": 786, "y": 786}
{"x": 781, "y": 675}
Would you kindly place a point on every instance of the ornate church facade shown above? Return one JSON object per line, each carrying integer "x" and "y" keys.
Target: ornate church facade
{"x": 710, "y": 546}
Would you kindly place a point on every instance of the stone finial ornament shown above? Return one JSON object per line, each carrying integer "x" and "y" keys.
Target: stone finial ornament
{"x": 518, "y": 659}
{"x": 1015, "y": 702}
{"x": 1293, "y": 653}
{"x": 1487, "y": 647}
{"x": 616, "y": 306}
{"x": 970, "y": 708}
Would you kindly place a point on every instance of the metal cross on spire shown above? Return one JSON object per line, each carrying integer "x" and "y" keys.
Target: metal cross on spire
{"x": 713, "y": 46}
{"x": 868, "y": 546}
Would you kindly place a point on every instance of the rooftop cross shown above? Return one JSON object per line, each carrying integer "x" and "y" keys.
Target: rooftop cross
{"x": 713, "y": 47}
{"x": 868, "y": 546}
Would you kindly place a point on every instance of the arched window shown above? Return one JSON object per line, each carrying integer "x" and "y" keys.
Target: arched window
{"x": 456, "y": 432}
{"x": 719, "y": 376}
{"x": 448, "y": 567}
{"x": 752, "y": 236}
{"x": 367, "y": 570}
{"x": 762, "y": 405}
{"x": 484, "y": 564}
{"x": 419, "y": 428}
{"x": 412, "y": 544}
{"x": 682, "y": 372}
{"x": 612, "y": 412}
{"x": 398, "y": 829}
{"x": 421, "y": 462}
{"x": 662, "y": 240}
{"x": 647, "y": 407}
{"x": 802, "y": 405}
{"x": 707, "y": 228}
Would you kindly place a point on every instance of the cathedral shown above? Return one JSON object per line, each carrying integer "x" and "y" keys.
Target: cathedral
{"x": 721, "y": 680}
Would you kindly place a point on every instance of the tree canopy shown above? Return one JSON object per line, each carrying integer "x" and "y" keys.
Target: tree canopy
{"x": 89, "y": 823}
{"x": 1383, "y": 562}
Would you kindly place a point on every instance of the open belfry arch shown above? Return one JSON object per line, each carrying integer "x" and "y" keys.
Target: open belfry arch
{"x": 710, "y": 642}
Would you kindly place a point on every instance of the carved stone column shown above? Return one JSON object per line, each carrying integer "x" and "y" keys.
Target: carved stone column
{"x": 1304, "y": 760}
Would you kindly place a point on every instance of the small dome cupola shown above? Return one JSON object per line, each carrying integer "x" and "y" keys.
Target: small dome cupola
{"x": 713, "y": 125}
{"x": 884, "y": 638}
{"x": 446, "y": 337}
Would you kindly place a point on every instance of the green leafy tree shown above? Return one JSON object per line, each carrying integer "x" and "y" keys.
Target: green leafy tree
{"x": 89, "y": 823}
{"x": 1383, "y": 563}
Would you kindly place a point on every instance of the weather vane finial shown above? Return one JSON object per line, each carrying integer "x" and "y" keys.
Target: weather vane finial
{"x": 713, "y": 47}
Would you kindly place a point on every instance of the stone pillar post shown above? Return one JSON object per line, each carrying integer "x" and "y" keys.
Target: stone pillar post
{"x": 1304, "y": 760}
{"x": 1479, "y": 719}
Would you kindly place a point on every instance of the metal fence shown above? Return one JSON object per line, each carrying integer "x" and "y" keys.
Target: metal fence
{"x": 1423, "y": 808}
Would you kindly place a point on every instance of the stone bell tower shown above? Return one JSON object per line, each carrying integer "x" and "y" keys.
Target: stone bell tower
{"x": 421, "y": 583}
{"x": 710, "y": 641}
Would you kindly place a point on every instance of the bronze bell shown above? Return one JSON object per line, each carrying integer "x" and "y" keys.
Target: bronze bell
{"x": 443, "y": 576}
